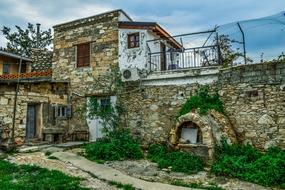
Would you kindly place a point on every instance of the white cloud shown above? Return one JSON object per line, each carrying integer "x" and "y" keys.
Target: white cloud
{"x": 30, "y": 12}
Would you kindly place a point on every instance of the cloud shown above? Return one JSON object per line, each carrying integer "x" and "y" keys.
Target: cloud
{"x": 34, "y": 12}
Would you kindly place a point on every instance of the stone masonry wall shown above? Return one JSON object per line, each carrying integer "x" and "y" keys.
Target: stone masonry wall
{"x": 42, "y": 60}
{"x": 253, "y": 95}
{"x": 40, "y": 94}
{"x": 102, "y": 32}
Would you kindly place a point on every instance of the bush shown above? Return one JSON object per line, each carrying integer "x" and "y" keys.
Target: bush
{"x": 249, "y": 164}
{"x": 179, "y": 161}
{"x": 119, "y": 145}
{"x": 203, "y": 101}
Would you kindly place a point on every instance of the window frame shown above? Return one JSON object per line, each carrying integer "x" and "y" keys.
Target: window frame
{"x": 6, "y": 66}
{"x": 82, "y": 57}
{"x": 136, "y": 41}
{"x": 61, "y": 111}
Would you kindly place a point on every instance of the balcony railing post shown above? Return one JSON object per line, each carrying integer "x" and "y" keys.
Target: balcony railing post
{"x": 194, "y": 57}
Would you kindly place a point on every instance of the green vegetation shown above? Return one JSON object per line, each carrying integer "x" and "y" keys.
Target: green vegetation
{"x": 195, "y": 185}
{"x": 121, "y": 186}
{"x": 52, "y": 158}
{"x": 47, "y": 153}
{"x": 179, "y": 161}
{"x": 117, "y": 145}
{"x": 247, "y": 163}
{"x": 26, "y": 177}
{"x": 203, "y": 101}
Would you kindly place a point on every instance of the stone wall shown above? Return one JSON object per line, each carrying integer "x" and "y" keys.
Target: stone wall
{"x": 43, "y": 95}
{"x": 42, "y": 60}
{"x": 253, "y": 95}
{"x": 101, "y": 31}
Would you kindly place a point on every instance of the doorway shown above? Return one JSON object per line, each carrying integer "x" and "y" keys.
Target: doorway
{"x": 95, "y": 124}
{"x": 31, "y": 122}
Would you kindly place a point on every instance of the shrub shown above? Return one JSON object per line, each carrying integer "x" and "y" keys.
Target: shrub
{"x": 179, "y": 161}
{"x": 203, "y": 101}
{"x": 119, "y": 145}
{"x": 247, "y": 163}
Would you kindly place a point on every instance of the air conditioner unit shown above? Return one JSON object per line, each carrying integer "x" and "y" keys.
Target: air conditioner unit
{"x": 131, "y": 74}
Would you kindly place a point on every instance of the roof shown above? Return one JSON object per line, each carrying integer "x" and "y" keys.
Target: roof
{"x": 154, "y": 27}
{"x": 92, "y": 17}
{"x": 13, "y": 55}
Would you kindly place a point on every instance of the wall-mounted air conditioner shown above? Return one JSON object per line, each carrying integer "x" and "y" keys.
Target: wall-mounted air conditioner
{"x": 131, "y": 74}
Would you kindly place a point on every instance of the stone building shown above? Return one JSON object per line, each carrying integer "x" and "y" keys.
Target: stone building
{"x": 37, "y": 101}
{"x": 159, "y": 73}
{"x": 85, "y": 51}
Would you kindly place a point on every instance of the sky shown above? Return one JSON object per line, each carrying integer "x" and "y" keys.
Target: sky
{"x": 176, "y": 16}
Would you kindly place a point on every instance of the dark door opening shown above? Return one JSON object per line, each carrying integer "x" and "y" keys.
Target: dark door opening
{"x": 31, "y": 122}
{"x": 162, "y": 57}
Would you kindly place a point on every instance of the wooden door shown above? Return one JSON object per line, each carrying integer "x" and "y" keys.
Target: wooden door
{"x": 31, "y": 122}
{"x": 162, "y": 57}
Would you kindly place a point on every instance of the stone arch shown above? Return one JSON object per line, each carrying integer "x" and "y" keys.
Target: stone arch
{"x": 198, "y": 121}
{"x": 212, "y": 126}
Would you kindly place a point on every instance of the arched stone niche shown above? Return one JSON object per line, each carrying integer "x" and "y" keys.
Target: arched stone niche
{"x": 199, "y": 133}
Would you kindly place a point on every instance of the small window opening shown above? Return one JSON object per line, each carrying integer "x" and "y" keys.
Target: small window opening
{"x": 134, "y": 40}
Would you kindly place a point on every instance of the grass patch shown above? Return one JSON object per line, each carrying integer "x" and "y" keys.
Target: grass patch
{"x": 178, "y": 161}
{"x": 203, "y": 101}
{"x": 247, "y": 163}
{"x": 26, "y": 177}
{"x": 121, "y": 186}
{"x": 52, "y": 158}
{"x": 119, "y": 145}
{"x": 48, "y": 153}
{"x": 195, "y": 185}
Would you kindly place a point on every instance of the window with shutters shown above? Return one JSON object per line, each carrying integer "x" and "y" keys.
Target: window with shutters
{"x": 134, "y": 40}
{"x": 83, "y": 55}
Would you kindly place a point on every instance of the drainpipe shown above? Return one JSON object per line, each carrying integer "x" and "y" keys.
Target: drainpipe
{"x": 15, "y": 102}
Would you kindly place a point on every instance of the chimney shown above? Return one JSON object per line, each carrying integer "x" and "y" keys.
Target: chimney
{"x": 38, "y": 34}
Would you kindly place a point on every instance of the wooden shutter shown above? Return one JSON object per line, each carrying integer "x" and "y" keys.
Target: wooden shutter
{"x": 52, "y": 114}
{"x": 68, "y": 111}
{"x": 83, "y": 55}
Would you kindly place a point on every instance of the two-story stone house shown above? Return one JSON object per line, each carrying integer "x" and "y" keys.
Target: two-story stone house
{"x": 51, "y": 92}
{"x": 85, "y": 49}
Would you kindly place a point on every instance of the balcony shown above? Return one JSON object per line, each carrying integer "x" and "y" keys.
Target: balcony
{"x": 184, "y": 58}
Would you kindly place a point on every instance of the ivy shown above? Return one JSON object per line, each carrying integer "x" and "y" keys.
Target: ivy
{"x": 203, "y": 101}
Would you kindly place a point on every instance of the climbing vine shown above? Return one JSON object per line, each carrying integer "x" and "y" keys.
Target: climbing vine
{"x": 203, "y": 101}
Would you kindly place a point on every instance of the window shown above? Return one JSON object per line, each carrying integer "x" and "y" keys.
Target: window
{"x": 134, "y": 40}
{"x": 63, "y": 111}
{"x": 83, "y": 55}
{"x": 105, "y": 104}
{"x": 60, "y": 111}
{"x": 6, "y": 68}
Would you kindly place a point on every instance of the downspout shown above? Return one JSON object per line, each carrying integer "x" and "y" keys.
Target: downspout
{"x": 15, "y": 101}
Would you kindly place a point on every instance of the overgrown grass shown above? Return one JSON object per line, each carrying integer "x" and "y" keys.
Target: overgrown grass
{"x": 203, "y": 101}
{"x": 195, "y": 185}
{"x": 26, "y": 177}
{"x": 178, "y": 161}
{"x": 247, "y": 163}
{"x": 119, "y": 145}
